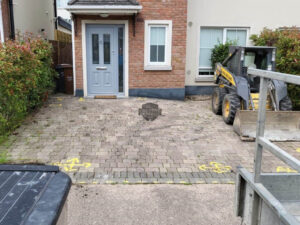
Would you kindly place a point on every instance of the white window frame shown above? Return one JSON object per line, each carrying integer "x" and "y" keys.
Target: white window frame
{"x": 225, "y": 29}
{"x": 167, "y": 64}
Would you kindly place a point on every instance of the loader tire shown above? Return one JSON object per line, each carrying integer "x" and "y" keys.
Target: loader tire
{"x": 231, "y": 104}
{"x": 286, "y": 104}
{"x": 217, "y": 100}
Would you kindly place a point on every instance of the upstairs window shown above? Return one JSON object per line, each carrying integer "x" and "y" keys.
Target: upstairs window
{"x": 158, "y": 40}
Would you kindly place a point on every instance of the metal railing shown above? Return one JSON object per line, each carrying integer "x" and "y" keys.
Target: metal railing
{"x": 261, "y": 141}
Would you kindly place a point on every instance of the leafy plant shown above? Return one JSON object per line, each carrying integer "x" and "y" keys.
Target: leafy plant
{"x": 287, "y": 42}
{"x": 26, "y": 76}
{"x": 220, "y": 53}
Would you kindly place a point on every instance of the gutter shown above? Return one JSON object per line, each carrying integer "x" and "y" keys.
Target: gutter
{"x": 1, "y": 23}
{"x": 12, "y": 21}
{"x": 55, "y": 14}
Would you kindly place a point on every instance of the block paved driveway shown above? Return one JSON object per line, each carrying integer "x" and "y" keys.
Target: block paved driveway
{"x": 106, "y": 141}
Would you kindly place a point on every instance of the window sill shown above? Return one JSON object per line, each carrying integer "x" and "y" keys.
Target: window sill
{"x": 204, "y": 78}
{"x": 158, "y": 68}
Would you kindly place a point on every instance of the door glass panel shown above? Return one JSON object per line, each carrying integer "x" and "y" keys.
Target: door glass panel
{"x": 121, "y": 58}
{"x": 95, "y": 48}
{"x": 106, "y": 48}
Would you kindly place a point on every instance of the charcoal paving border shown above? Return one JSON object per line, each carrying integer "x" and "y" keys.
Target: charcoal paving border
{"x": 157, "y": 178}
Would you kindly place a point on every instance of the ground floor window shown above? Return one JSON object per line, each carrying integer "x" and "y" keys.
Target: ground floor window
{"x": 158, "y": 39}
{"x": 211, "y": 36}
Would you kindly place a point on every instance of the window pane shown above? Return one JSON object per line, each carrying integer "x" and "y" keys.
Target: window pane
{"x": 241, "y": 37}
{"x": 158, "y": 36}
{"x": 209, "y": 37}
{"x": 157, "y": 44}
{"x": 95, "y": 50}
{"x": 161, "y": 53}
{"x": 153, "y": 53}
{"x": 205, "y": 55}
{"x": 237, "y": 36}
{"x": 121, "y": 58}
{"x": 106, "y": 48}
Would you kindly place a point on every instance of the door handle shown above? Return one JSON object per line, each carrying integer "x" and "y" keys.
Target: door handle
{"x": 101, "y": 68}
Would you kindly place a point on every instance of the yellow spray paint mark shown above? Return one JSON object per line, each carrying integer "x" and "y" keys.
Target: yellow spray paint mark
{"x": 230, "y": 182}
{"x": 55, "y": 105}
{"x": 59, "y": 99}
{"x": 72, "y": 165}
{"x": 298, "y": 149}
{"x": 170, "y": 182}
{"x": 81, "y": 99}
{"x": 281, "y": 169}
{"x": 215, "y": 167}
{"x": 110, "y": 182}
{"x": 200, "y": 182}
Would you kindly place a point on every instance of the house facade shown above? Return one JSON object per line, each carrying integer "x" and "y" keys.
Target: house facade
{"x": 35, "y": 16}
{"x": 129, "y": 48}
{"x": 213, "y": 21}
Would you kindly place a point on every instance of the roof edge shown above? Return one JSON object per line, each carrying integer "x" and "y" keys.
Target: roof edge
{"x": 106, "y": 7}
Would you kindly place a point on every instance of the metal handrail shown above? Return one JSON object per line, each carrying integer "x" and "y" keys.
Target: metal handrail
{"x": 261, "y": 141}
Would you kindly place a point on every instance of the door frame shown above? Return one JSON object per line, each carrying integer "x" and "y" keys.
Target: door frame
{"x": 126, "y": 52}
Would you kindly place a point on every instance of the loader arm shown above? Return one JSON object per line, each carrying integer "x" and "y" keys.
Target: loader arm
{"x": 224, "y": 72}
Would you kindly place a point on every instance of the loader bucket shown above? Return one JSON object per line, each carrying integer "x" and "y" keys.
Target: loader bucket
{"x": 280, "y": 125}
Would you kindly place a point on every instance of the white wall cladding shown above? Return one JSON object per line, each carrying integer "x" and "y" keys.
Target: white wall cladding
{"x": 252, "y": 14}
{"x": 33, "y": 16}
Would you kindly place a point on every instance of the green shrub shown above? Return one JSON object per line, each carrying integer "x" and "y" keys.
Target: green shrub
{"x": 220, "y": 53}
{"x": 26, "y": 76}
{"x": 287, "y": 42}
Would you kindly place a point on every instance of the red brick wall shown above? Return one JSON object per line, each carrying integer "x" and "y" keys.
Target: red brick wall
{"x": 5, "y": 17}
{"x": 175, "y": 10}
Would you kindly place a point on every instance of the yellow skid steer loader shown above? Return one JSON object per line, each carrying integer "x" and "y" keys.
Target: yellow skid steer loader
{"x": 237, "y": 95}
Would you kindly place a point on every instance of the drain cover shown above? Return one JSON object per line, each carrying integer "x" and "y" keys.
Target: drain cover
{"x": 150, "y": 111}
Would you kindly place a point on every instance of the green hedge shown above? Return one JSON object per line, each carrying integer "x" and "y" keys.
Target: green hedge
{"x": 219, "y": 53}
{"x": 287, "y": 42}
{"x": 26, "y": 76}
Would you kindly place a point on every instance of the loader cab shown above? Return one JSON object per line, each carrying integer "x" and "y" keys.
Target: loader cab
{"x": 251, "y": 57}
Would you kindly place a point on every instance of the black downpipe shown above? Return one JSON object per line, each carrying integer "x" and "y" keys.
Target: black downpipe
{"x": 12, "y": 21}
{"x": 55, "y": 14}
